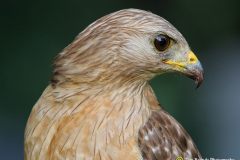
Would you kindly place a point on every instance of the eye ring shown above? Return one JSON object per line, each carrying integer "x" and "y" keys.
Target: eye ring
{"x": 162, "y": 42}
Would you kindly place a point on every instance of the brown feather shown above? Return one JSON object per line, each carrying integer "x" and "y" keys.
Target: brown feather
{"x": 162, "y": 137}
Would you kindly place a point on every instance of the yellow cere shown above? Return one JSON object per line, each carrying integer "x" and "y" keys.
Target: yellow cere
{"x": 191, "y": 59}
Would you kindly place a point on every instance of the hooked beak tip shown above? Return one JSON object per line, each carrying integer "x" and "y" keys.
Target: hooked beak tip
{"x": 197, "y": 76}
{"x": 195, "y": 72}
{"x": 199, "y": 80}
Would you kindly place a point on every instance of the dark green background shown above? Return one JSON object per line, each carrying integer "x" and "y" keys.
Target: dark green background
{"x": 33, "y": 32}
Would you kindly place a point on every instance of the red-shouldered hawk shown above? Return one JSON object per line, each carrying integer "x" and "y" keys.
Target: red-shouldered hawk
{"x": 100, "y": 106}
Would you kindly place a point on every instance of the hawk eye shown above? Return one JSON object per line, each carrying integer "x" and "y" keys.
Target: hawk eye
{"x": 161, "y": 42}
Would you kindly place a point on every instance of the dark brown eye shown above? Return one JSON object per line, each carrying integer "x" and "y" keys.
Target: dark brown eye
{"x": 161, "y": 42}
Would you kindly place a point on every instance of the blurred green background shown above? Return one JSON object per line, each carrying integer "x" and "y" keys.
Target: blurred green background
{"x": 33, "y": 32}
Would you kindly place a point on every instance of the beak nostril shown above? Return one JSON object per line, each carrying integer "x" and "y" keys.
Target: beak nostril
{"x": 192, "y": 59}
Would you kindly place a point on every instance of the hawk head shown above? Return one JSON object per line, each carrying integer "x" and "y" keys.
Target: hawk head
{"x": 126, "y": 46}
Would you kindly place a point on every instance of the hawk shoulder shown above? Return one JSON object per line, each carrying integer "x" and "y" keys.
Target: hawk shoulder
{"x": 162, "y": 137}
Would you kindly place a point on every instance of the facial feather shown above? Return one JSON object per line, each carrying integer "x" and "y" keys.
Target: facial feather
{"x": 113, "y": 48}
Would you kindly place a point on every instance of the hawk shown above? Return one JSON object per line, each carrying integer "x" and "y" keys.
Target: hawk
{"x": 99, "y": 104}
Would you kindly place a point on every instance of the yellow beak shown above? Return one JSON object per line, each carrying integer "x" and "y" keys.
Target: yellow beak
{"x": 189, "y": 66}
